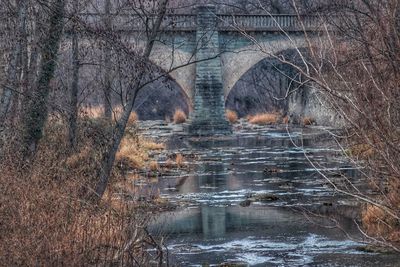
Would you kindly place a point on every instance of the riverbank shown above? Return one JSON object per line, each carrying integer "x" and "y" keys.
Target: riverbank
{"x": 49, "y": 215}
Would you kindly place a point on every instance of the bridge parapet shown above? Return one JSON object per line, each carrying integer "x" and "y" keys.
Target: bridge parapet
{"x": 267, "y": 23}
{"x": 188, "y": 22}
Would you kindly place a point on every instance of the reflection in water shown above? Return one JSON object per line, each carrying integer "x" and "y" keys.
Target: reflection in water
{"x": 212, "y": 227}
{"x": 213, "y": 221}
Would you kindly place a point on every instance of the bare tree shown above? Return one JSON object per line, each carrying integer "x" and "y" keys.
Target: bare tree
{"x": 354, "y": 65}
{"x": 107, "y": 62}
{"x": 109, "y": 155}
{"x": 15, "y": 65}
{"x": 35, "y": 114}
{"x": 73, "y": 114}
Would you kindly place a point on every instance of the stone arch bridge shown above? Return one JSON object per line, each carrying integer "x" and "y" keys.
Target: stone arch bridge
{"x": 207, "y": 53}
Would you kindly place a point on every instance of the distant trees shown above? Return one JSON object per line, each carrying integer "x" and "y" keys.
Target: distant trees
{"x": 13, "y": 69}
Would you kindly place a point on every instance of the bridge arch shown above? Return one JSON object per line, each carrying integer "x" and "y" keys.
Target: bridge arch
{"x": 237, "y": 62}
{"x": 159, "y": 99}
{"x": 168, "y": 57}
{"x": 265, "y": 86}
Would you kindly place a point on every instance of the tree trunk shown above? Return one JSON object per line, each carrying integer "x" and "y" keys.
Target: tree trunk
{"x": 73, "y": 108}
{"x": 107, "y": 64}
{"x": 35, "y": 114}
{"x": 30, "y": 78}
{"x": 9, "y": 89}
{"x": 119, "y": 131}
{"x": 24, "y": 79}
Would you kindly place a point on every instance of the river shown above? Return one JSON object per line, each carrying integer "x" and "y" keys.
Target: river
{"x": 258, "y": 198}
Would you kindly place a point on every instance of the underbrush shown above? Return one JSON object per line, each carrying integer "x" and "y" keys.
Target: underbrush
{"x": 134, "y": 151}
{"x": 97, "y": 112}
{"x": 47, "y": 217}
{"x": 380, "y": 216}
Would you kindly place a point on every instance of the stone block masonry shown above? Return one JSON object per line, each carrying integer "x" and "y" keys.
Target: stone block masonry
{"x": 208, "y": 116}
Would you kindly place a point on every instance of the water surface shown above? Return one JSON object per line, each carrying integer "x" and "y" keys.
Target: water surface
{"x": 220, "y": 219}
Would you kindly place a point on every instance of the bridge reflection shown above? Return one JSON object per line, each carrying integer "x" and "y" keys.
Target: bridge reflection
{"x": 218, "y": 183}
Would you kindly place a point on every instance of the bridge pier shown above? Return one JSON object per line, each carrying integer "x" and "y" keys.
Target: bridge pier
{"x": 208, "y": 116}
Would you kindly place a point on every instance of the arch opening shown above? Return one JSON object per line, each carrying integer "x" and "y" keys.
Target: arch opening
{"x": 266, "y": 87}
{"x": 160, "y": 99}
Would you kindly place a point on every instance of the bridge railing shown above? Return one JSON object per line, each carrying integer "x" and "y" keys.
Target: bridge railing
{"x": 188, "y": 22}
{"x": 133, "y": 22}
{"x": 180, "y": 22}
{"x": 267, "y": 22}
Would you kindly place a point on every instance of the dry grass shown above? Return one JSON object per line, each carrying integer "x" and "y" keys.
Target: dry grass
{"x": 46, "y": 217}
{"x": 179, "y": 116}
{"x": 231, "y": 116}
{"x": 169, "y": 164}
{"x": 92, "y": 112}
{"x": 179, "y": 160}
{"x": 133, "y": 119}
{"x": 264, "y": 119}
{"x": 378, "y": 223}
{"x": 309, "y": 121}
{"x": 150, "y": 145}
{"x": 117, "y": 112}
{"x": 97, "y": 112}
{"x": 153, "y": 166}
{"x": 131, "y": 154}
{"x": 134, "y": 151}
{"x": 361, "y": 151}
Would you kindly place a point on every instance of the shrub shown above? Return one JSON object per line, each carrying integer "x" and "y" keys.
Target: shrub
{"x": 92, "y": 112}
{"x": 131, "y": 154}
{"x": 133, "y": 151}
{"x": 179, "y": 116}
{"x": 97, "y": 112}
{"x": 169, "y": 164}
{"x": 264, "y": 119}
{"x": 179, "y": 160}
{"x": 133, "y": 118}
{"x": 285, "y": 120}
{"x": 308, "y": 121}
{"x": 150, "y": 145}
{"x": 231, "y": 116}
{"x": 378, "y": 223}
{"x": 153, "y": 166}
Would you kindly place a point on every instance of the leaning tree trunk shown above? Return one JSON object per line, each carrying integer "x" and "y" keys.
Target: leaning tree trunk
{"x": 73, "y": 108}
{"x": 35, "y": 114}
{"x": 12, "y": 80}
{"x": 119, "y": 131}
